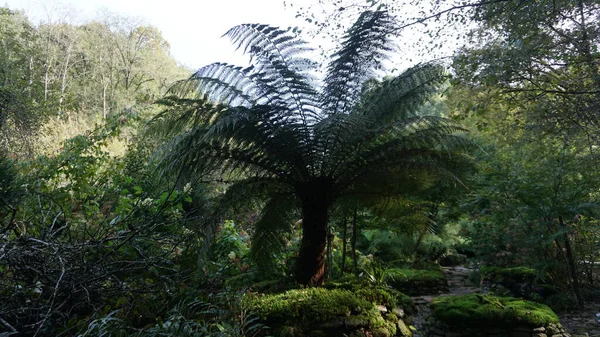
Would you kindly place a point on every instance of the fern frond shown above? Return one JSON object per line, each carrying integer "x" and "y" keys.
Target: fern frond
{"x": 280, "y": 69}
{"x": 275, "y": 222}
{"x": 363, "y": 50}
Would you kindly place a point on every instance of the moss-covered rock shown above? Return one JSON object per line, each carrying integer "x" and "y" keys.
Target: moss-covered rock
{"x": 477, "y": 310}
{"x": 330, "y": 312}
{"x": 503, "y": 275}
{"x": 416, "y": 281}
{"x": 377, "y": 294}
{"x": 516, "y": 281}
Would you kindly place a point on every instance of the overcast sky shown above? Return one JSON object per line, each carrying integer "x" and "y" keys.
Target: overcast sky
{"x": 192, "y": 27}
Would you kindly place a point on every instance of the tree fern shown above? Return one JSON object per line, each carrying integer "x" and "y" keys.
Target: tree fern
{"x": 291, "y": 143}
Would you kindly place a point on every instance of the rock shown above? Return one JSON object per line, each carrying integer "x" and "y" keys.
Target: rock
{"x": 381, "y": 332}
{"x": 355, "y": 323}
{"x": 399, "y": 312}
{"x": 553, "y": 329}
{"x": 454, "y": 334}
{"x": 333, "y": 324}
{"x": 540, "y": 329}
{"x": 436, "y": 330}
{"x": 357, "y": 333}
{"x": 403, "y": 330}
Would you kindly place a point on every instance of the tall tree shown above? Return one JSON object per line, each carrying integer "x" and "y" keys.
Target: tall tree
{"x": 290, "y": 142}
{"x": 539, "y": 51}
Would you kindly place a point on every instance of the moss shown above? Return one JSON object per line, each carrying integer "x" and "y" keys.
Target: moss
{"x": 403, "y": 330}
{"x": 491, "y": 311}
{"x": 390, "y": 298}
{"x": 411, "y": 280}
{"x": 308, "y": 307}
{"x": 514, "y": 274}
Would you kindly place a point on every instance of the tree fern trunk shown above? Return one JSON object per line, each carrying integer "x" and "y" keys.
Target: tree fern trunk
{"x": 353, "y": 242}
{"x": 344, "y": 243}
{"x": 310, "y": 266}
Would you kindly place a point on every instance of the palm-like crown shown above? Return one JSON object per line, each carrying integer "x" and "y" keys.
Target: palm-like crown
{"x": 290, "y": 140}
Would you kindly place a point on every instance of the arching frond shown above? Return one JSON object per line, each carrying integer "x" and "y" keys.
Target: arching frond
{"x": 279, "y": 67}
{"x": 363, "y": 49}
{"x": 271, "y": 229}
{"x": 402, "y": 96}
{"x": 381, "y": 109}
{"x": 224, "y": 83}
{"x": 181, "y": 114}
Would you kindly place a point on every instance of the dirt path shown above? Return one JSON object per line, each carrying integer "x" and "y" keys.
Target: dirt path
{"x": 582, "y": 323}
{"x": 458, "y": 284}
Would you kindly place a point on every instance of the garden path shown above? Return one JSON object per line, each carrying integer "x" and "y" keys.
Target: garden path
{"x": 579, "y": 324}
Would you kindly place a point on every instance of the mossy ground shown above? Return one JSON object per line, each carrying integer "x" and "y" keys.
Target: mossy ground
{"x": 377, "y": 294}
{"x": 411, "y": 280}
{"x": 491, "y": 311}
{"x": 516, "y": 274}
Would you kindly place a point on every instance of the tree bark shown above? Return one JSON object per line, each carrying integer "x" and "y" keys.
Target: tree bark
{"x": 344, "y": 243}
{"x": 571, "y": 263}
{"x": 310, "y": 266}
{"x": 353, "y": 241}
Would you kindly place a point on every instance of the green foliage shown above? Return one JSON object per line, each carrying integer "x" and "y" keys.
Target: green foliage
{"x": 516, "y": 274}
{"x": 490, "y": 311}
{"x": 83, "y": 235}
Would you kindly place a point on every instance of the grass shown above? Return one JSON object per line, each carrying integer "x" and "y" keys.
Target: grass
{"x": 491, "y": 311}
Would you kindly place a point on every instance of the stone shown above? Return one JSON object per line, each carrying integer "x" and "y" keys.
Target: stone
{"x": 403, "y": 330}
{"x": 334, "y": 324}
{"x": 539, "y": 334}
{"x": 436, "y": 330}
{"x": 399, "y": 312}
{"x": 354, "y": 323}
{"x": 381, "y": 332}
{"x": 553, "y": 329}
{"x": 540, "y": 329}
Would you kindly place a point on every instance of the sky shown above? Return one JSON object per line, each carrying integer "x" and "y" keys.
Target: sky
{"x": 192, "y": 27}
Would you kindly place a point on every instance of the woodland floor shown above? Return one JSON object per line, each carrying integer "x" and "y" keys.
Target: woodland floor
{"x": 579, "y": 324}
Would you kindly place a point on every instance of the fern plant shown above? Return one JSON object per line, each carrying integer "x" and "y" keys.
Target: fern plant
{"x": 296, "y": 143}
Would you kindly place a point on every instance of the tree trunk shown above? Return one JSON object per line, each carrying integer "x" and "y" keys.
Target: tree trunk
{"x": 353, "y": 241}
{"x": 329, "y": 264}
{"x": 571, "y": 263}
{"x": 344, "y": 242}
{"x": 310, "y": 266}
